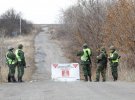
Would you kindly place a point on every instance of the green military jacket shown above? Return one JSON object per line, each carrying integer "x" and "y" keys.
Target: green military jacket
{"x": 114, "y": 57}
{"x": 20, "y": 56}
{"x": 102, "y": 58}
{"x": 10, "y": 57}
{"x": 81, "y": 53}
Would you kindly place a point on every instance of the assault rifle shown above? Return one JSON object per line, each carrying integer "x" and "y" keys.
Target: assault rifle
{"x": 88, "y": 57}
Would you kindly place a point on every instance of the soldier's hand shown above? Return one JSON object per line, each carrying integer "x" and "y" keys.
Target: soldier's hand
{"x": 119, "y": 57}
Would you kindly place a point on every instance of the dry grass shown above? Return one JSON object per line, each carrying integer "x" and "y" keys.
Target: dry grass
{"x": 28, "y": 42}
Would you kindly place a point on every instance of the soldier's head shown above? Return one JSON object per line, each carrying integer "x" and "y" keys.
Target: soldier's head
{"x": 20, "y": 46}
{"x": 112, "y": 49}
{"x": 10, "y": 48}
{"x": 85, "y": 45}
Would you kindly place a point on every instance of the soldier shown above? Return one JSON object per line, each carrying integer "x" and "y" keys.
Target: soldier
{"x": 21, "y": 62}
{"x": 114, "y": 60}
{"x": 101, "y": 65}
{"x": 11, "y": 62}
{"x": 86, "y": 61}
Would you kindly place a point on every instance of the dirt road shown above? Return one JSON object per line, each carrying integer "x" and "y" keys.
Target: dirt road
{"x": 41, "y": 87}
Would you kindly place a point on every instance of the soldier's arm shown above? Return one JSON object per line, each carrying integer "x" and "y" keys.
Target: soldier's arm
{"x": 24, "y": 62}
{"x": 90, "y": 52}
{"x": 100, "y": 57}
{"x": 115, "y": 56}
{"x": 80, "y": 53}
{"x": 21, "y": 55}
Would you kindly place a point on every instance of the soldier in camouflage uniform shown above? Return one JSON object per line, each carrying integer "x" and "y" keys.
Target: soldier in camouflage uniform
{"x": 21, "y": 62}
{"x": 101, "y": 65}
{"x": 114, "y": 61}
{"x": 11, "y": 62}
{"x": 86, "y": 61}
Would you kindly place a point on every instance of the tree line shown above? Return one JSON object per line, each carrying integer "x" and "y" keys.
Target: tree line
{"x": 11, "y": 22}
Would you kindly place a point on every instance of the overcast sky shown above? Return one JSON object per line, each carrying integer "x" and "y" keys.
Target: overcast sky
{"x": 37, "y": 11}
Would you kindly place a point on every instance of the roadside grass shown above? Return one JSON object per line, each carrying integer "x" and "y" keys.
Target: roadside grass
{"x": 28, "y": 43}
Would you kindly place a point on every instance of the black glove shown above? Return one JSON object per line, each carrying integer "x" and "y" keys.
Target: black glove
{"x": 119, "y": 57}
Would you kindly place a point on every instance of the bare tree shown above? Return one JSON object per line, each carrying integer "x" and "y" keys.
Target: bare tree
{"x": 10, "y": 21}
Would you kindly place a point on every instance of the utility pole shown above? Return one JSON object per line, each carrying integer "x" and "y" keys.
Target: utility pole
{"x": 20, "y": 25}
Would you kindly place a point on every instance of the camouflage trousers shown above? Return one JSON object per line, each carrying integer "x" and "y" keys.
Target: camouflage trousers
{"x": 114, "y": 69}
{"x": 20, "y": 70}
{"x": 101, "y": 70}
{"x": 86, "y": 69}
{"x": 11, "y": 69}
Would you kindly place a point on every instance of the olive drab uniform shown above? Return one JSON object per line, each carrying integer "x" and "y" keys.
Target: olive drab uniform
{"x": 86, "y": 62}
{"x": 21, "y": 63}
{"x": 11, "y": 62}
{"x": 114, "y": 60}
{"x": 101, "y": 65}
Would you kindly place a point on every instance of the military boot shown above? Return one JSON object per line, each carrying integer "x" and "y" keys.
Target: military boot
{"x": 97, "y": 80}
{"x": 19, "y": 79}
{"x": 90, "y": 78}
{"x": 86, "y": 77}
{"x": 103, "y": 80}
{"x": 9, "y": 78}
{"x": 13, "y": 78}
{"x": 115, "y": 79}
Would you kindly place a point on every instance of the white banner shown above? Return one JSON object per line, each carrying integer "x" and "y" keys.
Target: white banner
{"x": 65, "y": 72}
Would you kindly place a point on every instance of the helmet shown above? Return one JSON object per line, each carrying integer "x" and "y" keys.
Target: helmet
{"x": 20, "y": 46}
{"x": 10, "y": 48}
{"x": 112, "y": 48}
{"x": 85, "y": 45}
